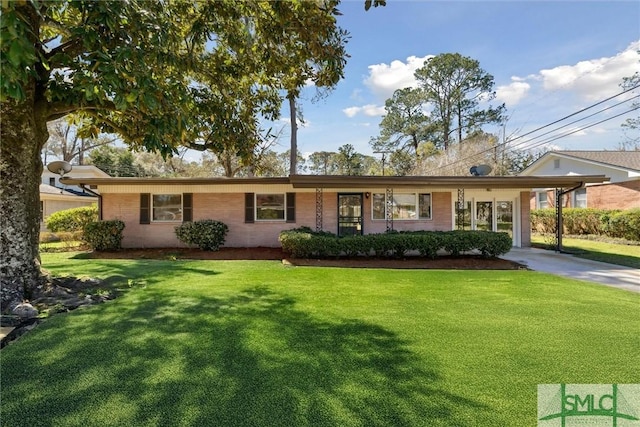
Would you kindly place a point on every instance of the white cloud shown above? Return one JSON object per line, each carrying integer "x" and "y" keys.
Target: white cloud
{"x": 351, "y": 111}
{"x": 512, "y": 93}
{"x": 596, "y": 78}
{"x": 370, "y": 110}
{"x": 384, "y": 79}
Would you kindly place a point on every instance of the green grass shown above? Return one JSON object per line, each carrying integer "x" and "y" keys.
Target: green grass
{"x": 604, "y": 251}
{"x": 256, "y": 343}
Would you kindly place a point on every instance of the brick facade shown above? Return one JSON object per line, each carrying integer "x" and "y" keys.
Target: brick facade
{"x": 229, "y": 208}
{"x": 620, "y": 195}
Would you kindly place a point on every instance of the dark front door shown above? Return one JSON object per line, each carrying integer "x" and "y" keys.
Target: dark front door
{"x": 349, "y": 214}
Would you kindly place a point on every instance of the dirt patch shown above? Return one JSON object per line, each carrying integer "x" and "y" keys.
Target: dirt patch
{"x": 466, "y": 262}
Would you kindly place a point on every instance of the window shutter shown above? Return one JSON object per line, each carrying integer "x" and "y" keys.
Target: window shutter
{"x": 248, "y": 207}
{"x": 145, "y": 208}
{"x": 187, "y": 207}
{"x": 291, "y": 207}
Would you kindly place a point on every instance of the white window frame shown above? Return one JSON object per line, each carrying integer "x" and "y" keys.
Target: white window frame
{"x": 583, "y": 192}
{"x": 176, "y": 217}
{"x": 546, "y": 199}
{"x": 416, "y": 197}
{"x": 257, "y": 208}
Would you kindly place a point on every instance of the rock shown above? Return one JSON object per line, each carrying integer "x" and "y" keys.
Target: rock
{"x": 25, "y": 311}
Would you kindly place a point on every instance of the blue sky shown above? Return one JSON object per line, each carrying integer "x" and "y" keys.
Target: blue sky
{"x": 549, "y": 60}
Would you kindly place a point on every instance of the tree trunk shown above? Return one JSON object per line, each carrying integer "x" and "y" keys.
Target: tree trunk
{"x": 23, "y": 133}
{"x": 293, "y": 163}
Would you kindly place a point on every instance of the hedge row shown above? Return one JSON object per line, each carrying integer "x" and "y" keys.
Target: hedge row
{"x": 578, "y": 221}
{"x": 304, "y": 243}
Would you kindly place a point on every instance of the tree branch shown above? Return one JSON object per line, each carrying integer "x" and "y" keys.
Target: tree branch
{"x": 71, "y": 48}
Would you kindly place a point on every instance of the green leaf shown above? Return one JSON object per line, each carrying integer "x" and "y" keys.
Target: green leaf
{"x": 15, "y": 54}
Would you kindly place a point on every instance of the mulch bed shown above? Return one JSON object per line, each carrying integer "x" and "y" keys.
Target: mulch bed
{"x": 465, "y": 262}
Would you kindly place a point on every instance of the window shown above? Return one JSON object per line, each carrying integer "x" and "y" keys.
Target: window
{"x": 52, "y": 182}
{"x": 543, "y": 203}
{"x": 424, "y": 205}
{"x": 556, "y": 163}
{"x": 270, "y": 207}
{"x": 167, "y": 207}
{"x": 404, "y": 206}
{"x": 580, "y": 198}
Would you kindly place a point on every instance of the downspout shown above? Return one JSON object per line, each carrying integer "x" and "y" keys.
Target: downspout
{"x": 90, "y": 191}
{"x": 559, "y": 225}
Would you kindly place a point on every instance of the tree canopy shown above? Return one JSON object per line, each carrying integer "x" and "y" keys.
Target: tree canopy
{"x": 160, "y": 74}
{"x": 455, "y": 86}
{"x": 450, "y": 102}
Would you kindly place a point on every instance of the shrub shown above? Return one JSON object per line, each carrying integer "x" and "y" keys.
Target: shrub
{"x": 72, "y": 219}
{"x": 543, "y": 221}
{"x": 622, "y": 224}
{"x": 579, "y": 221}
{"x": 493, "y": 244}
{"x": 207, "y": 234}
{"x": 104, "y": 235}
{"x": 306, "y": 244}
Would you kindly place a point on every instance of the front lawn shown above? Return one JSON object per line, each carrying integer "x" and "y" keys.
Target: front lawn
{"x": 598, "y": 250}
{"x": 256, "y": 343}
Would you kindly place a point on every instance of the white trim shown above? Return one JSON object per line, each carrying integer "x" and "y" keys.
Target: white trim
{"x": 164, "y": 221}
{"x": 284, "y": 207}
{"x": 417, "y": 205}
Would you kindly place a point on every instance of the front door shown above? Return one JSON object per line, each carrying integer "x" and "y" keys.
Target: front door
{"x": 349, "y": 214}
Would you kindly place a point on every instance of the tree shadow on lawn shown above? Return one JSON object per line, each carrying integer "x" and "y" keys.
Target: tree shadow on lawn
{"x": 119, "y": 273}
{"x": 251, "y": 359}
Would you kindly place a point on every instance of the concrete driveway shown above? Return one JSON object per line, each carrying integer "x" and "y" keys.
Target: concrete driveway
{"x": 577, "y": 268}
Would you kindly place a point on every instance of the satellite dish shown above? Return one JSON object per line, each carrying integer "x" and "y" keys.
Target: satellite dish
{"x": 480, "y": 170}
{"x": 60, "y": 167}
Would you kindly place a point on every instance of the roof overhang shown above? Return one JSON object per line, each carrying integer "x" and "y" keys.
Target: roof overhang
{"x": 470, "y": 182}
{"x": 350, "y": 181}
{"x": 171, "y": 181}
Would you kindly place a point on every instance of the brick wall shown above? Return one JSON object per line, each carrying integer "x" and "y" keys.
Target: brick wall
{"x": 621, "y": 195}
{"x": 126, "y": 207}
{"x": 229, "y": 208}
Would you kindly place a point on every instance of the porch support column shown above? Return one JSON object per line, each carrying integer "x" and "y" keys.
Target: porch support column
{"x": 559, "y": 226}
{"x": 389, "y": 209}
{"x": 460, "y": 210}
{"x": 318, "y": 209}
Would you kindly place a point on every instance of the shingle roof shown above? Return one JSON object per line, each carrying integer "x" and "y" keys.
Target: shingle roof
{"x": 624, "y": 159}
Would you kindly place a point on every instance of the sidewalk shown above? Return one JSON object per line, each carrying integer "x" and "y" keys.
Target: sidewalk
{"x": 577, "y": 268}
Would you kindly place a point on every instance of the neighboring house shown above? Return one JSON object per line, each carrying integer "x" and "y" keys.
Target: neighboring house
{"x": 55, "y": 196}
{"x": 621, "y": 192}
{"x": 256, "y": 210}
{"x": 54, "y": 199}
{"x": 79, "y": 172}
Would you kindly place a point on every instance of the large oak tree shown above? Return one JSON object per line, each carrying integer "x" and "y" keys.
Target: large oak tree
{"x": 161, "y": 74}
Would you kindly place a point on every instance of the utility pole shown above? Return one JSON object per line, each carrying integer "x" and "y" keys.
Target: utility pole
{"x": 383, "y": 158}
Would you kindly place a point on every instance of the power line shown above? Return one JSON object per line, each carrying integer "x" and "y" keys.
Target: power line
{"x": 553, "y": 123}
{"x": 585, "y": 127}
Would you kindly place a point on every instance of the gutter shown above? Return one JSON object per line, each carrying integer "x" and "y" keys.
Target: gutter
{"x": 93, "y": 193}
{"x": 559, "y": 225}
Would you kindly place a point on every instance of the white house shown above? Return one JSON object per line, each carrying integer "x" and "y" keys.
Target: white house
{"x": 55, "y": 196}
{"x": 621, "y": 192}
